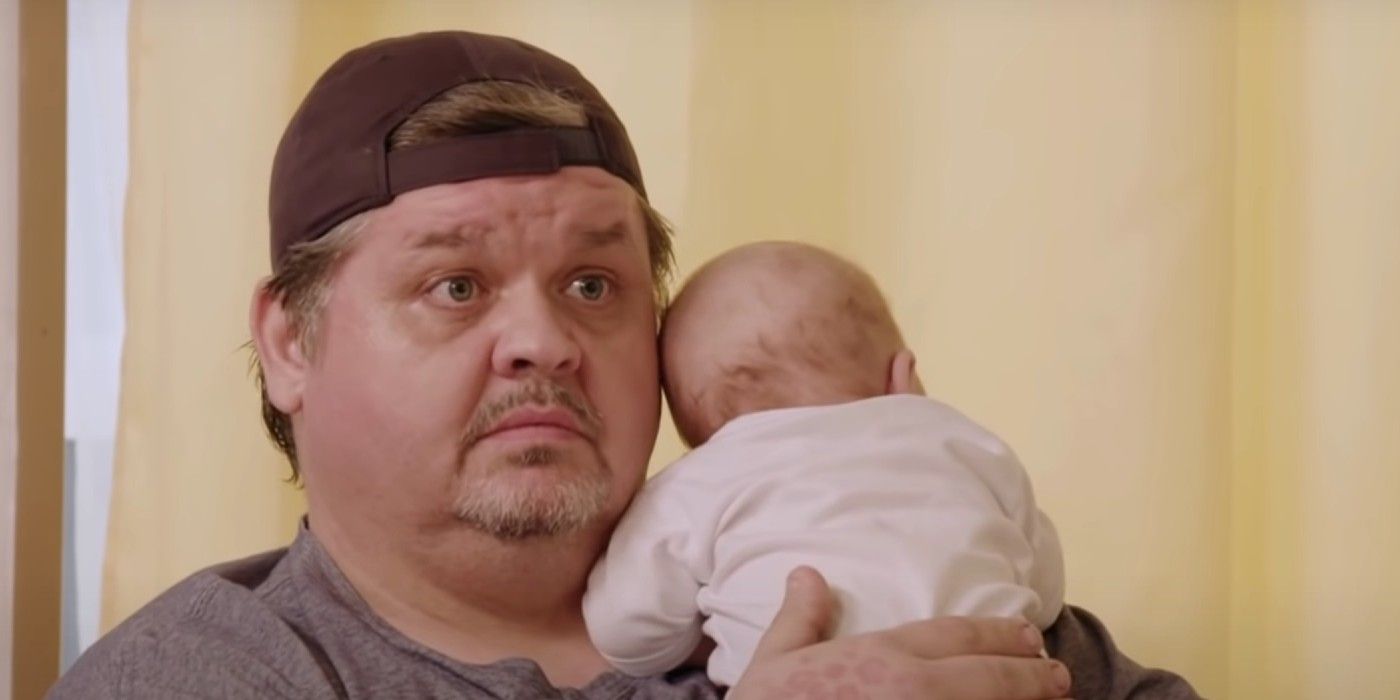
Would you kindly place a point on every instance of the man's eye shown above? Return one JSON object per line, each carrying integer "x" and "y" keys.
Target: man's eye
{"x": 590, "y": 287}
{"x": 457, "y": 289}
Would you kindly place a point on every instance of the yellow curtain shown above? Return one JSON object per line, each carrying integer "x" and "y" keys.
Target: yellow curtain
{"x": 1156, "y": 246}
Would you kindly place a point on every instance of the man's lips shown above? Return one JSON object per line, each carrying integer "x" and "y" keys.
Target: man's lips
{"x": 536, "y": 422}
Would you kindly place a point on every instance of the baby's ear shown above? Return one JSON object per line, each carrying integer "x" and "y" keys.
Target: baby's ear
{"x": 903, "y": 378}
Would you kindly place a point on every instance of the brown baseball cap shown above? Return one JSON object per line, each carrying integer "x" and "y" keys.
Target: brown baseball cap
{"x": 333, "y": 160}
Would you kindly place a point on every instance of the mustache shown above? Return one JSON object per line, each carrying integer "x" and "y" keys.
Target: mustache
{"x": 542, "y": 394}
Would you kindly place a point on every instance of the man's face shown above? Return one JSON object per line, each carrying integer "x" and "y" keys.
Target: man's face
{"x": 487, "y": 357}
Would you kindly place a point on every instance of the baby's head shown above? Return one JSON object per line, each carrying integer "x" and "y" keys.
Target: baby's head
{"x": 777, "y": 325}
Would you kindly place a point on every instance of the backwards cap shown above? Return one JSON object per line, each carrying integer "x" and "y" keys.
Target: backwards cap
{"x": 333, "y": 160}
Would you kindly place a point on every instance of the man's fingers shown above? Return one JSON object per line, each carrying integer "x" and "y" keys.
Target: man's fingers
{"x": 958, "y": 658}
{"x": 997, "y": 677}
{"x": 804, "y": 617}
{"x": 960, "y": 636}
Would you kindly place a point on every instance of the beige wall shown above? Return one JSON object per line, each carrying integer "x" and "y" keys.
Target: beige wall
{"x": 1044, "y": 191}
{"x": 9, "y": 251}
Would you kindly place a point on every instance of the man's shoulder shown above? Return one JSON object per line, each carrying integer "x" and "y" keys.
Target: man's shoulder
{"x": 221, "y": 632}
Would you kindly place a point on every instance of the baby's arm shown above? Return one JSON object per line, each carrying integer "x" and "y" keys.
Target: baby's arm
{"x": 640, "y": 605}
{"x": 1040, "y": 565}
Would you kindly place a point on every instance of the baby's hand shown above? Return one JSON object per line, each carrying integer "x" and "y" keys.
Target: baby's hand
{"x": 952, "y": 658}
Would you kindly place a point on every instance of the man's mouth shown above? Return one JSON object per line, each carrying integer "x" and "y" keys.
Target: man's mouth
{"x": 536, "y": 423}
{"x": 540, "y": 411}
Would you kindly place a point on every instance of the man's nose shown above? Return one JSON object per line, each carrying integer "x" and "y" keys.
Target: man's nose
{"x": 534, "y": 339}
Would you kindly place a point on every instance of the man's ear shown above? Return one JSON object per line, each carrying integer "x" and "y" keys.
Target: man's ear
{"x": 903, "y": 378}
{"x": 279, "y": 350}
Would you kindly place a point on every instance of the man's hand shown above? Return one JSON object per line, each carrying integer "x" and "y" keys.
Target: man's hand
{"x": 950, "y": 658}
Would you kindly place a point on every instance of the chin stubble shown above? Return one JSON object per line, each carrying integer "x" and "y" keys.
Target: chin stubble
{"x": 509, "y": 513}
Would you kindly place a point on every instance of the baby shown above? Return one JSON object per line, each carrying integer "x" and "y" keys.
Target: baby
{"x": 814, "y": 445}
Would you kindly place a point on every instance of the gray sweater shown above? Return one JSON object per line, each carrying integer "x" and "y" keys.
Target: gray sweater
{"x": 287, "y": 624}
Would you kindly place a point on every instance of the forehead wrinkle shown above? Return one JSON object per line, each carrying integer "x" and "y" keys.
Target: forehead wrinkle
{"x": 615, "y": 234}
{"x": 465, "y": 236}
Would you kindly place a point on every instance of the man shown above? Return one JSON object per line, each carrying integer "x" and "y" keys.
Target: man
{"x": 457, "y": 352}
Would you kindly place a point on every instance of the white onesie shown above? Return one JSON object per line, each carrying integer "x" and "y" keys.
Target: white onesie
{"x": 907, "y": 508}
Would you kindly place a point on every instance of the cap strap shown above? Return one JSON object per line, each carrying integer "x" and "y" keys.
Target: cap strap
{"x": 515, "y": 152}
